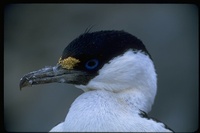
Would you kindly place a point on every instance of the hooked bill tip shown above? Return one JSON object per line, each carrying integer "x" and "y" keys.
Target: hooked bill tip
{"x": 24, "y": 82}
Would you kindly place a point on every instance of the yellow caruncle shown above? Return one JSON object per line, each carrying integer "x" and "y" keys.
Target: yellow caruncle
{"x": 68, "y": 63}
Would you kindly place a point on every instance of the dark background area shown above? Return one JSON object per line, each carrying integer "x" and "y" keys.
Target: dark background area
{"x": 36, "y": 34}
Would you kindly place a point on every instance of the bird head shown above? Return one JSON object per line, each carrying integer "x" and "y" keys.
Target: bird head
{"x": 104, "y": 60}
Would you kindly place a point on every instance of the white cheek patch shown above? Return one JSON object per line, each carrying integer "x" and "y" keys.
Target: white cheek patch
{"x": 122, "y": 72}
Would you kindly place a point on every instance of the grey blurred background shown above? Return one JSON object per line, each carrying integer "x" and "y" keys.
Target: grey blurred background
{"x": 36, "y": 34}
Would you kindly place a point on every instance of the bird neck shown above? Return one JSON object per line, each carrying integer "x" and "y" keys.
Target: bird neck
{"x": 137, "y": 99}
{"x": 137, "y": 96}
{"x": 99, "y": 110}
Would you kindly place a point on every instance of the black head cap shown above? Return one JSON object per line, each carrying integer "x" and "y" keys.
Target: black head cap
{"x": 97, "y": 48}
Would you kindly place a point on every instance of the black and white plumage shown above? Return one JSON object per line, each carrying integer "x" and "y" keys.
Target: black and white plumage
{"x": 117, "y": 75}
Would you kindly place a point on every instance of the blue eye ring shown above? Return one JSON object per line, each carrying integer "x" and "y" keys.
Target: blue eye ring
{"x": 92, "y": 64}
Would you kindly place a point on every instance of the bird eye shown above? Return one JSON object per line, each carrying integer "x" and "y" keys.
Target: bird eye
{"x": 91, "y": 64}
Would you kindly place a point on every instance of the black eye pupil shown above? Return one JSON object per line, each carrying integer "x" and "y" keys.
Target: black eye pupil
{"x": 92, "y": 64}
